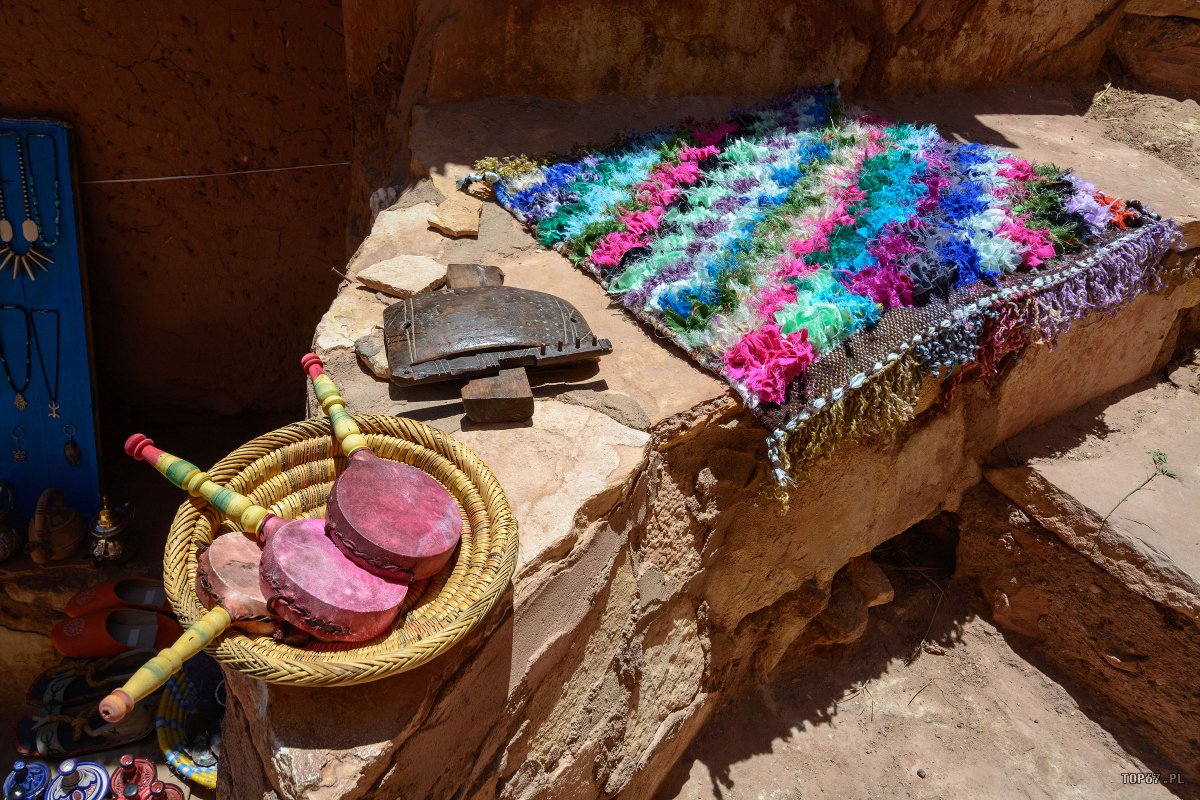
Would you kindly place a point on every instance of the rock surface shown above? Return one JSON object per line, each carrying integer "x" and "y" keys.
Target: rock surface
{"x": 1164, "y": 8}
{"x": 400, "y": 56}
{"x": 1078, "y": 468}
{"x": 1162, "y": 50}
{"x": 654, "y": 579}
{"x": 1082, "y": 618}
{"x": 372, "y": 355}
{"x": 355, "y": 312}
{"x": 968, "y": 717}
{"x": 403, "y": 276}
{"x": 457, "y": 216}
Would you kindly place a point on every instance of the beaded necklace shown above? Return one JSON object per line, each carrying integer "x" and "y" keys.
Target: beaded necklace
{"x": 19, "y": 401}
{"x": 36, "y": 205}
{"x": 30, "y": 230}
{"x": 51, "y": 391}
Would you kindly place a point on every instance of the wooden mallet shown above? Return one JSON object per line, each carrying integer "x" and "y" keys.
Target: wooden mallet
{"x": 388, "y": 517}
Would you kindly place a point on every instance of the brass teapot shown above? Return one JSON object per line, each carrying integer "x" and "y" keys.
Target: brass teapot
{"x": 112, "y": 540}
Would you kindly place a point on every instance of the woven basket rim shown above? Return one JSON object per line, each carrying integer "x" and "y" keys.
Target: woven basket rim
{"x": 170, "y": 736}
{"x": 476, "y": 578}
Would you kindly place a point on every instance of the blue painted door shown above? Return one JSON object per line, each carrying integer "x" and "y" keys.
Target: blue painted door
{"x": 44, "y": 328}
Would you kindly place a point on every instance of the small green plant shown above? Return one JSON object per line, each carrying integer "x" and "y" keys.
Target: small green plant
{"x": 1160, "y": 468}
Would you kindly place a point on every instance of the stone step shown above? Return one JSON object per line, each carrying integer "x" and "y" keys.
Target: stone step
{"x": 1091, "y": 478}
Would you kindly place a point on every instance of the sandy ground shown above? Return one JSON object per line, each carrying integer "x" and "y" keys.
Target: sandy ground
{"x": 1162, "y": 126}
{"x": 968, "y": 718}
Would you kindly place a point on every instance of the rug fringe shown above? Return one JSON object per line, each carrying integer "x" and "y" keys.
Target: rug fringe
{"x": 1035, "y": 315}
{"x": 876, "y": 412}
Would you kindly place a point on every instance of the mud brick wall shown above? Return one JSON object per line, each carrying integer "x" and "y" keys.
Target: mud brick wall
{"x": 401, "y": 54}
{"x": 204, "y": 291}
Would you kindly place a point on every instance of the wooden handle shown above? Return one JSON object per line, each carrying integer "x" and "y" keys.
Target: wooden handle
{"x": 159, "y": 669}
{"x": 344, "y": 427}
{"x": 189, "y": 477}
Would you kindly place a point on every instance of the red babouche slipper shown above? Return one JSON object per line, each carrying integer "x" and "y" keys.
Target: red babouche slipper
{"x": 128, "y": 592}
{"x": 112, "y": 631}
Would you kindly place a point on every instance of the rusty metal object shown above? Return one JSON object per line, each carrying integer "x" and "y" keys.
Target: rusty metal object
{"x": 462, "y": 333}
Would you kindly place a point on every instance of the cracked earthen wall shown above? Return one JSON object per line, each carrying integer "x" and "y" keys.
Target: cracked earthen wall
{"x": 182, "y": 272}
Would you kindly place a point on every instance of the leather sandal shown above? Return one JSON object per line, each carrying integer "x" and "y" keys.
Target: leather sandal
{"x": 74, "y": 682}
{"x": 81, "y": 730}
{"x": 113, "y": 631}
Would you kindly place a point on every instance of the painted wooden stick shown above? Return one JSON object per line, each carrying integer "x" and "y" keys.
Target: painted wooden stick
{"x": 244, "y": 588}
{"x": 158, "y": 670}
{"x": 253, "y": 518}
{"x": 389, "y": 518}
{"x": 345, "y": 429}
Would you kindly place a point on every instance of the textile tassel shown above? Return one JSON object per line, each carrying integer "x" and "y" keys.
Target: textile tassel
{"x": 1007, "y": 327}
{"x": 876, "y": 413}
{"x": 1006, "y": 331}
{"x": 1120, "y": 273}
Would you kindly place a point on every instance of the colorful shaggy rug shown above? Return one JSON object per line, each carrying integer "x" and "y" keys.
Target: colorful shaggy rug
{"x": 824, "y": 265}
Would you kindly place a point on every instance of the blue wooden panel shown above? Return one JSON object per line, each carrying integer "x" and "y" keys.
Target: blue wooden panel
{"x": 45, "y": 147}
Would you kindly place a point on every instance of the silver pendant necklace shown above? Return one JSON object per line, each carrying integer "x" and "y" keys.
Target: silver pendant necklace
{"x": 51, "y": 390}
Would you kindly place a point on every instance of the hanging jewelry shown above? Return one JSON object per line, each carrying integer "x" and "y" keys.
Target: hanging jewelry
{"x": 51, "y": 391}
{"x": 6, "y": 230}
{"x": 17, "y": 433}
{"x": 37, "y": 203}
{"x": 30, "y": 230}
{"x": 71, "y": 450}
{"x": 19, "y": 401}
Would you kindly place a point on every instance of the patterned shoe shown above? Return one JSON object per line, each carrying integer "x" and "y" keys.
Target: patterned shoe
{"x": 81, "y": 730}
{"x": 140, "y": 593}
{"x": 113, "y": 631}
{"x": 75, "y": 682}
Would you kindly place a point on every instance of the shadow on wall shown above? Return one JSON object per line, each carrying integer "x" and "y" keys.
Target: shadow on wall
{"x": 450, "y": 137}
{"x": 400, "y": 56}
{"x": 205, "y": 290}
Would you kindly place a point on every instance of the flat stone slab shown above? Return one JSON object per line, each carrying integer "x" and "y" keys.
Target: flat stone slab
{"x": 457, "y": 215}
{"x": 570, "y": 461}
{"x": 1077, "y": 468}
{"x": 403, "y": 276}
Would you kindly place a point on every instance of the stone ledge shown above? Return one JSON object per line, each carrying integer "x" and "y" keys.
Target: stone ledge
{"x": 653, "y": 577}
{"x": 1077, "y": 468}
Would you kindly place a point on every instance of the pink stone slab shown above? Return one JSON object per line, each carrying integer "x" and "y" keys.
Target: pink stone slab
{"x": 392, "y": 519}
{"x": 228, "y": 576}
{"x": 310, "y": 582}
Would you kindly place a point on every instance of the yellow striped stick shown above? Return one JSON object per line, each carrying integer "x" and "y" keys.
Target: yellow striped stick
{"x": 344, "y": 427}
{"x": 189, "y": 477}
{"x": 159, "y": 669}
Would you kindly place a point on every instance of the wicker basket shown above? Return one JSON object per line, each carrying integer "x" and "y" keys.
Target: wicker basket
{"x": 177, "y": 701}
{"x": 290, "y": 470}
